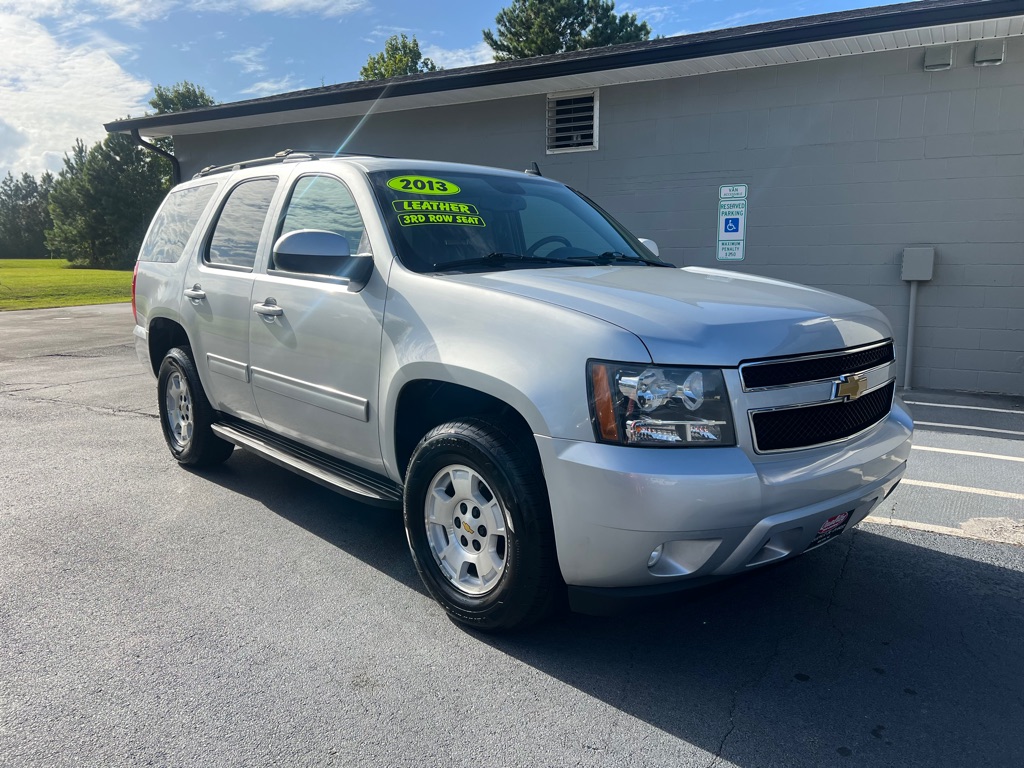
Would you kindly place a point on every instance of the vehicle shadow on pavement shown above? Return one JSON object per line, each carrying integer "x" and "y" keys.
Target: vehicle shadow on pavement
{"x": 872, "y": 650}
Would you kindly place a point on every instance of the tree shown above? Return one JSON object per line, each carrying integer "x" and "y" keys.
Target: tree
{"x": 401, "y": 56}
{"x": 177, "y": 98}
{"x": 102, "y": 201}
{"x": 24, "y": 216}
{"x": 539, "y": 27}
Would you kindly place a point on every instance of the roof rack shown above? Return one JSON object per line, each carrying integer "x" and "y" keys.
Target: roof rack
{"x": 284, "y": 156}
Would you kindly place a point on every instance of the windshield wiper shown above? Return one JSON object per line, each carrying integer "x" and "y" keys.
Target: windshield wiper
{"x": 617, "y": 257}
{"x": 500, "y": 258}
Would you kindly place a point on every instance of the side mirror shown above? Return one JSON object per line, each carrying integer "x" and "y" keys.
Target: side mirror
{"x": 651, "y": 246}
{"x": 319, "y": 252}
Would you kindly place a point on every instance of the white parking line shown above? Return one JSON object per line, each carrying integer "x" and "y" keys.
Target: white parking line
{"x": 965, "y": 407}
{"x": 963, "y": 426}
{"x": 921, "y": 526}
{"x": 968, "y": 453}
{"x": 966, "y": 489}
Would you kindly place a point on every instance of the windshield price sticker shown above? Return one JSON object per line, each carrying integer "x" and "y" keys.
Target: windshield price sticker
{"x": 434, "y": 206}
{"x": 414, "y": 219}
{"x": 423, "y": 185}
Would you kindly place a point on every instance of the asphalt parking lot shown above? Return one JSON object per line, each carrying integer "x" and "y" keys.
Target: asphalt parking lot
{"x": 243, "y": 616}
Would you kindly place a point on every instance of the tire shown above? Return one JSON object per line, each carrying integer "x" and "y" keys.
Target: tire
{"x": 186, "y": 414}
{"x": 478, "y": 522}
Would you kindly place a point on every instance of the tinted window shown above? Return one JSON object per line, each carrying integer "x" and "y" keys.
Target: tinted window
{"x": 324, "y": 202}
{"x": 237, "y": 235}
{"x": 174, "y": 223}
{"x": 439, "y": 220}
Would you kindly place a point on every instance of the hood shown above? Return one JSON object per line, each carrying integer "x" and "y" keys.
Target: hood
{"x": 696, "y": 316}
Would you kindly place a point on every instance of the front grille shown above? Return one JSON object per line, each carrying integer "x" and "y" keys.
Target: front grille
{"x": 817, "y": 424}
{"x": 817, "y": 367}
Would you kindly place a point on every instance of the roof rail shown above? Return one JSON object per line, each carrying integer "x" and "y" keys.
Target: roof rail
{"x": 284, "y": 156}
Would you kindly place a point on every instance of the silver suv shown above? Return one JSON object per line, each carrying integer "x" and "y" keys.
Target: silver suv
{"x": 551, "y": 404}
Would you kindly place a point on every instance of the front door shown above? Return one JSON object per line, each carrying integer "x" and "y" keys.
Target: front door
{"x": 314, "y": 344}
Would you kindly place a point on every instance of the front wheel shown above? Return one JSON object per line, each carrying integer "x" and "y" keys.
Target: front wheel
{"x": 185, "y": 413}
{"x": 479, "y": 526}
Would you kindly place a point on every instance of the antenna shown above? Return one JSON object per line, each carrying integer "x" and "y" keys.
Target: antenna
{"x": 535, "y": 170}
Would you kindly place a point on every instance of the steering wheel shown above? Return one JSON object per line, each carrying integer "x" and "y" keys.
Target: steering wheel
{"x": 532, "y": 250}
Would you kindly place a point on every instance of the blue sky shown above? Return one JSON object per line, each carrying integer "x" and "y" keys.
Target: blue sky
{"x": 68, "y": 66}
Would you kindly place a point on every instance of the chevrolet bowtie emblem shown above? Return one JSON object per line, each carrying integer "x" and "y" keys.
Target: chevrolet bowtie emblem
{"x": 467, "y": 527}
{"x": 850, "y": 386}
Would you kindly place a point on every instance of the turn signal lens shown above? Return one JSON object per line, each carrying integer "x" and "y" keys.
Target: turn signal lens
{"x": 604, "y": 410}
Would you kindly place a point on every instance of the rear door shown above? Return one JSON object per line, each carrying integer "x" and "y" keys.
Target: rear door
{"x": 316, "y": 353}
{"x": 217, "y": 305}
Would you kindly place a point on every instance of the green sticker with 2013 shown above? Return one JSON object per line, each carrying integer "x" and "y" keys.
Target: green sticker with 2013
{"x": 423, "y": 185}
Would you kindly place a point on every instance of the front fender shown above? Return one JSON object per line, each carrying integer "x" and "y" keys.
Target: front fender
{"x": 525, "y": 352}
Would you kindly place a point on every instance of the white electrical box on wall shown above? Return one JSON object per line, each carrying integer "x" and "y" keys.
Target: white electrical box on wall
{"x": 918, "y": 263}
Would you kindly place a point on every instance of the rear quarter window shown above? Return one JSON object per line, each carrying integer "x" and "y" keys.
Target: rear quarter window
{"x": 174, "y": 223}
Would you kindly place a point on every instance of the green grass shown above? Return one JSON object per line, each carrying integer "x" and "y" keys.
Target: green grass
{"x": 38, "y": 283}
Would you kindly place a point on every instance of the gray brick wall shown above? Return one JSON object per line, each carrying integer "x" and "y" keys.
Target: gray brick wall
{"x": 848, "y": 161}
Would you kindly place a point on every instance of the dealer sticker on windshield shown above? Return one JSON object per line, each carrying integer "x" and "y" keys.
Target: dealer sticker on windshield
{"x": 414, "y": 219}
{"x": 423, "y": 185}
{"x": 433, "y": 206}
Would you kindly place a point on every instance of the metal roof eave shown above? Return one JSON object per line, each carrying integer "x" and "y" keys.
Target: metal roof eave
{"x": 810, "y": 29}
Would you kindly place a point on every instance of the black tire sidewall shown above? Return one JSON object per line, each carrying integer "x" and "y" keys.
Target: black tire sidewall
{"x": 500, "y": 606}
{"x": 204, "y": 448}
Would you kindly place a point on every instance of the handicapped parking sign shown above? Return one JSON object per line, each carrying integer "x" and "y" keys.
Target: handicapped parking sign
{"x": 732, "y": 215}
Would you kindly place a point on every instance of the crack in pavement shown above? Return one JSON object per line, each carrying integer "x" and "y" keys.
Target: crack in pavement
{"x": 832, "y": 596}
{"x": 83, "y": 406}
{"x": 34, "y": 387}
{"x": 734, "y": 704}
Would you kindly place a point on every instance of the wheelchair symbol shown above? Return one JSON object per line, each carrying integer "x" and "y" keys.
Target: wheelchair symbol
{"x": 732, "y": 225}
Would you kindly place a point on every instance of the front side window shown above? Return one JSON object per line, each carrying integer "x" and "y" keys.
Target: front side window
{"x": 325, "y": 203}
{"x": 457, "y": 221}
{"x": 236, "y": 236}
{"x": 174, "y": 223}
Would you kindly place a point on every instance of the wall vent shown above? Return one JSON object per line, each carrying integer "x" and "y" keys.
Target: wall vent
{"x": 572, "y": 122}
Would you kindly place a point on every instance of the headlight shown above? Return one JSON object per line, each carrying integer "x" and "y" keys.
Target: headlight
{"x": 659, "y": 406}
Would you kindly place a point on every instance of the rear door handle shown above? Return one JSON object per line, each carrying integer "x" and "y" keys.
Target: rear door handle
{"x": 195, "y": 293}
{"x": 268, "y": 309}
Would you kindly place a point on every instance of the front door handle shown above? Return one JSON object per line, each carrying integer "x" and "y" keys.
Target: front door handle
{"x": 195, "y": 293}
{"x": 268, "y": 309}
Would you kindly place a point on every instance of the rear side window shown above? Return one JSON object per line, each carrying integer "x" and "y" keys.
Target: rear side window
{"x": 174, "y": 223}
{"x": 236, "y": 236}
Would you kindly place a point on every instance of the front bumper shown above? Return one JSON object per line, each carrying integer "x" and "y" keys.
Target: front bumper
{"x": 716, "y": 511}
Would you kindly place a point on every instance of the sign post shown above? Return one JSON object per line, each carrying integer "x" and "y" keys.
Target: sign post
{"x": 732, "y": 221}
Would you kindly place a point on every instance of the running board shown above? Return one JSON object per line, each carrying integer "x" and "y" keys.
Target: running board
{"x": 333, "y": 473}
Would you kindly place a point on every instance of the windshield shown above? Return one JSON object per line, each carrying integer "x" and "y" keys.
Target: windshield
{"x": 464, "y": 221}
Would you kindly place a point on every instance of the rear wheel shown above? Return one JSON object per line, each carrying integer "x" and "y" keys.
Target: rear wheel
{"x": 186, "y": 414}
{"x": 479, "y": 526}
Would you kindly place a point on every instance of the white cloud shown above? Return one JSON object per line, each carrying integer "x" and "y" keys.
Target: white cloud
{"x": 325, "y": 8}
{"x": 380, "y": 32}
{"x": 137, "y": 11}
{"x": 52, "y": 93}
{"x": 251, "y": 59}
{"x": 653, "y": 14}
{"x": 450, "y": 58}
{"x": 740, "y": 19}
{"x": 272, "y": 87}
{"x": 80, "y": 11}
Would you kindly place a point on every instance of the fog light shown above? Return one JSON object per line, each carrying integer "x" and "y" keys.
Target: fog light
{"x": 655, "y": 556}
